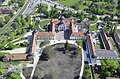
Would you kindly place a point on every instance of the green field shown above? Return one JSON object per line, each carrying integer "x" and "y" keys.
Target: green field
{"x": 93, "y": 21}
{"x": 82, "y": 7}
{"x": 92, "y": 28}
{"x": 43, "y": 23}
{"x": 68, "y": 2}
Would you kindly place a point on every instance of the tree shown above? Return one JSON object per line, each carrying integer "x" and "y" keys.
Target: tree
{"x": 16, "y": 25}
{"x": 47, "y": 54}
{"x": 2, "y": 24}
{"x": 79, "y": 42}
{"x": 28, "y": 18}
{"x": 18, "y": 32}
{"x": 118, "y": 11}
{"x": 7, "y": 18}
{"x": 118, "y": 71}
{"x": 10, "y": 46}
{"x": 1, "y": 71}
{"x": 108, "y": 67}
{"x": 31, "y": 26}
{"x": 22, "y": 2}
{"x": 14, "y": 76}
{"x": 11, "y": 13}
{"x": 107, "y": 74}
{"x": 44, "y": 43}
{"x": 66, "y": 45}
{"x": 86, "y": 73}
{"x": 77, "y": 51}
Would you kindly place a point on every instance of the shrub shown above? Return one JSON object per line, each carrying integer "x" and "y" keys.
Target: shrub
{"x": 47, "y": 54}
{"x": 79, "y": 42}
{"x": 44, "y": 43}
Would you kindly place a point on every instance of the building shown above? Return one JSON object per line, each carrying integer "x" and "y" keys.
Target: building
{"x": 45, "y": 35}
{"x": 90, "y": 46}
{"x": 65, "y": 25}
{"x": 103, "y": 53}
{"x": 105, "y": 41}
{"x": 6, "y": 9}
{"x": 77, "y": 36}
{"x": 15, "y": 57}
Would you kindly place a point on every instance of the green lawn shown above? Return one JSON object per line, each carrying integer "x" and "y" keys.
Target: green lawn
{"x": 92, "y": 28}
{"x": 82, "y": 7}
{"x": 118, "y": 30}
{"x": 43, "y": 23}
{"x": 68, "y": 2}
{"x": 112, "y": 43}
{"x": 93, "y": 21}
{"x": 97, "y": 46}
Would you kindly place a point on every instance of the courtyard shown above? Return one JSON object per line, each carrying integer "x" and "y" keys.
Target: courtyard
{"x": 60, "y": 65}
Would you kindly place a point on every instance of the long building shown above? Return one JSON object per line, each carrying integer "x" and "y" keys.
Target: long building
{"x": 61, "y": 25}
{"x": 6, "y": 9}
{"x": 91, "y": 47}
{"x": 15, "y": 57}
{"x": 105, "y": 41}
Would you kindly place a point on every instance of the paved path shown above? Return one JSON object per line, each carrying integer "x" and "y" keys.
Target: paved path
{"x": 22, "y": 76}
{"x": 15, "y": 51}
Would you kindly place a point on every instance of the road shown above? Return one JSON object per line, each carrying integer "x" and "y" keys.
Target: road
{"x": 30, "y": 7}
{"x": 33, "y": 3}
{"x": 14, "y": 17}
{"x": 52, "y": 3}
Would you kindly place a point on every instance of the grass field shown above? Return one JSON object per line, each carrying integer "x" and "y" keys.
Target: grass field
{"x": 93, "y": 21}
{"x": 43, "y": 23}
{"x": 82, "y": 7}
{"x": 68, "y": 2}
{"x": 112, "y": 43}
{"x": 92, "y": 28}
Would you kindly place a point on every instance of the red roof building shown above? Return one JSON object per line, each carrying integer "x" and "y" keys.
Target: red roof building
{"x": 105, "y": 41}
{"x": 15, "y": 57}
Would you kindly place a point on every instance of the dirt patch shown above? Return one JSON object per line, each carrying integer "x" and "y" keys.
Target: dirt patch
{"x": 61, "y": 66}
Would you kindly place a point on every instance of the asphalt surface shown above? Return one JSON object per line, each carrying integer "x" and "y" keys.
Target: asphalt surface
{"x": 33, "y": 3}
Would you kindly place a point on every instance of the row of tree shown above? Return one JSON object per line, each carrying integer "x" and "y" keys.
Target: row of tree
{"x": 109, "y": 68}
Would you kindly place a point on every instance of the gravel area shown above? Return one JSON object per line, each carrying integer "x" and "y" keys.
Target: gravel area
{"x": 62, "y": 66}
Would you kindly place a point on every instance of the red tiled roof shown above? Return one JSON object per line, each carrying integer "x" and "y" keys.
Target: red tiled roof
{"x": 91, "y": 45}
{"x": 33, "y": 44}
{"x": 105, "y": 40}
{"x": 5, "y": 10}
{"x": 72, "y": 26}
{"x": 77, "y": 34}
{"x": 55, "y": 21}
{"x": 16, "y": 57}
{"x": 45, "y": 34}
{"x": 66, "y": 22}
